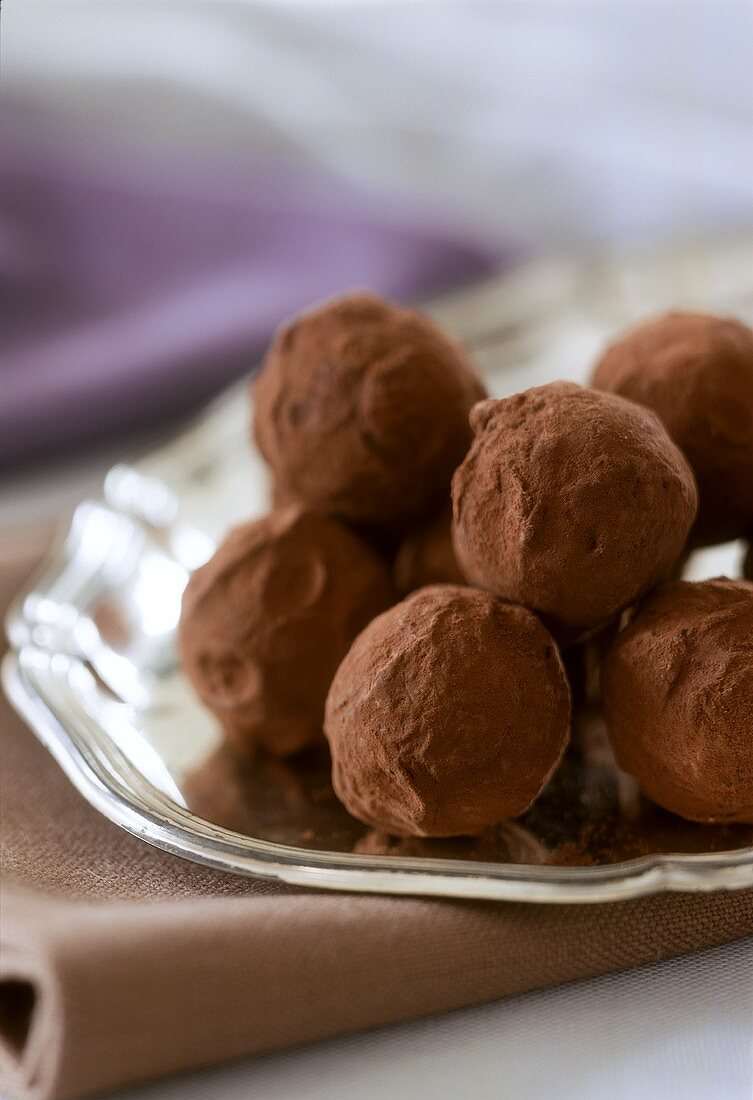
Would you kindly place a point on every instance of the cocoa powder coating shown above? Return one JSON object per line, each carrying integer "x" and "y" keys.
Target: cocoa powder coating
{"x": 571, "y": 502}
{"x": 448, "y": 715}
{"x": 267, "y": 620}
{"x": 748, "y": 562}
{"x": 678, "y": 699}
{"x": 427, "y": 556}
{"x": 361, "y": 411}
{"x": 696, "y": 372}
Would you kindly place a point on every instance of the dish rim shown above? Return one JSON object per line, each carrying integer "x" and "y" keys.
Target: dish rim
{"x": 150, "y": 815}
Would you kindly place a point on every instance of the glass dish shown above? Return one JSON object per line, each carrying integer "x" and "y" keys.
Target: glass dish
{"x": 92, "y": 665}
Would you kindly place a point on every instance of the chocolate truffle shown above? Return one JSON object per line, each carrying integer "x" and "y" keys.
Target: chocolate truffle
{"x": 678, "y": 699}
{"x": 449, "y": 714}
{"x": 361, "y": 411}
{"x": 267, "y": 620}
{"x": 696, "y": 372}
{"x": 427, "y": 556}
{"x": 571, "y": 502}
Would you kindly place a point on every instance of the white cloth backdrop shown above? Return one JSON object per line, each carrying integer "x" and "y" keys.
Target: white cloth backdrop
{"x": 554, "y": 121}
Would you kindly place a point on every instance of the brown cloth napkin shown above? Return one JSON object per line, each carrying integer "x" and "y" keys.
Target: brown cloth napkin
{"x": 120, "y": 963}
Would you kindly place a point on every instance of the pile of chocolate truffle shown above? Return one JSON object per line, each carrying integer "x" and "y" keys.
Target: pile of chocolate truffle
{"x": 426, "y": 643}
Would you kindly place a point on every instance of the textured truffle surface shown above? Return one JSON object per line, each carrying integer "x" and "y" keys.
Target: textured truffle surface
{"x": 361, "y": 411}
{"x": 748, "y": 562}
{"x": 678, "y": 698}
{"x": 267, "y": 620}
{"x": 571, "y": 502}
{"x": 696, "y": 372}
{"x": 449, "y": 714}
{"x": 427, "y": 556}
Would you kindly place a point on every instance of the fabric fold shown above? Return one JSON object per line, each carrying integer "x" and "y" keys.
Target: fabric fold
{"x": 130, "y": 991}
{"x": 32, "y": 1011}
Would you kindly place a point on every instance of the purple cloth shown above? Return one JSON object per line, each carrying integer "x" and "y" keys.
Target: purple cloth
{"x": 131, "y": 291}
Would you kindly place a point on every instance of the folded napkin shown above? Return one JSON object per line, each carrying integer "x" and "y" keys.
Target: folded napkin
{"x": 119, "y": 962}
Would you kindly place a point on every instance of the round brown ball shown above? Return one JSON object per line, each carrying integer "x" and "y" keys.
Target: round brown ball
{"x": 361, "y": 411}
{"x": 448, "y": 715}
{"x": 678, "y": 699}
{"x": 267, "y": 620}
{"x": 571, "y": 502}
{"x": 427, "y": 556}
{"x": 696, "y": 372}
